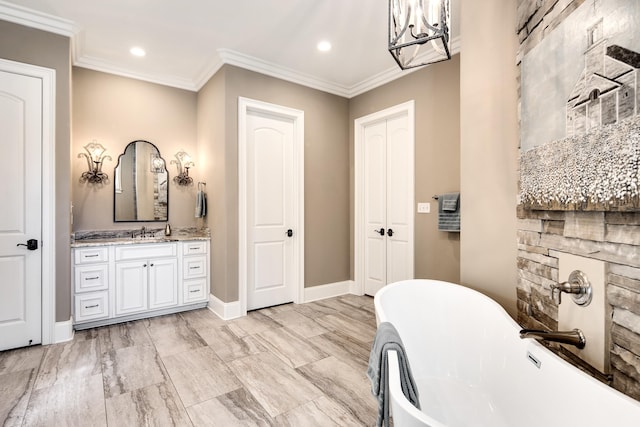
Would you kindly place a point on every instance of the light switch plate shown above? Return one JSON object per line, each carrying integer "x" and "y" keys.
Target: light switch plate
{"x": 424, "y": 207}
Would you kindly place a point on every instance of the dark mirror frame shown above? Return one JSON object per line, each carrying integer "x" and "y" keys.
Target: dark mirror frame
{"x": 115, "y": 219}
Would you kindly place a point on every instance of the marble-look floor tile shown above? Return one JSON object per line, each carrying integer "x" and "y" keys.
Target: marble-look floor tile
{"x": 228, "y": 346}
{"x": 15, "y": 390}
{"x": 276, "y": 386}
{"x": 175, "y": 337}
{"x": 346, "y": 309}
{"x": 356, "y": 300}
{"x": 361, "y": 331}
{"x": 202, "y": 318}
{"x": 21, "y": 359}
{"x": 270, "y": 311}
{"x": 76, "y": 358}
{"x": 290, "y": 348}
{"x": 254, "y": 322}
{"x": 314, "y": 310}
{"x": 156, "y": 405}
{"x": 322, "y": 412}
{"x": 161, "y": 321}
{"x": 76, "y": 401}
{"x": 237, "y": 408}
{"x": 199, "y": 375}
{"x": 123, "y": 335}
{"x": 131, "y": 368}
{"x": 345, "y": 385}
{"x": 299, "y": 323}
{"x": 351, "y": 351}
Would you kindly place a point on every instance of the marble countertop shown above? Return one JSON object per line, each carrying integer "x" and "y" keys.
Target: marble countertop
{"x": 124, "y": 237}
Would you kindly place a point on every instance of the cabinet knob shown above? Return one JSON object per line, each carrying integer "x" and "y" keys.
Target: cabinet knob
{"x": 144, "y": 265}
{"x": 151, "y": 265}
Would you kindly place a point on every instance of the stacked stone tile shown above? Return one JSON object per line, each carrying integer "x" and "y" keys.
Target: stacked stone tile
{"x": 609, "y": 236}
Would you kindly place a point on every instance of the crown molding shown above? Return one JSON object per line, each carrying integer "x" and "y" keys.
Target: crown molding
{"x": 395, "y": 72}
{"x": 106, "y": 67}
{"x": 208, "y": 71}
{"x": 31, "y": 18}
{"x": 274, "y": 70}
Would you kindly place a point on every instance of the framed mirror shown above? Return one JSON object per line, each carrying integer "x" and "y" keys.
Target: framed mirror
{"x": 141, "y": 184}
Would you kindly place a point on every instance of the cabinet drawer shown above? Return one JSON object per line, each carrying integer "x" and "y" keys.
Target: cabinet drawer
{"x": 91, "y": 277}
{"x": 194, "y": 248}
{"x": 88, "y": 255}
{"x": 194, "y": 291}
{"x": 91, "y": 306}
{"x": 145, "y": 251}
{"x": 194, "y": 266}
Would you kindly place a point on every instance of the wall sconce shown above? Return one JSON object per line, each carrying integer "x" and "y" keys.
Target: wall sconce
{"x": 95, "y": 155}
{"x": 183, "y": 163}
{"x": 419, "y": 32}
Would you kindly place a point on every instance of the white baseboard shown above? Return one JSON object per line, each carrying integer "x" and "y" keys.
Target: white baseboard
{"x": 224, "y": 310}
{"x": 329, "y": 290}
{"x": 63, "y": 331}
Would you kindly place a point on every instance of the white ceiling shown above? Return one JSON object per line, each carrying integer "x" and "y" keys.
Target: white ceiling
{"x": 187, "y": 41}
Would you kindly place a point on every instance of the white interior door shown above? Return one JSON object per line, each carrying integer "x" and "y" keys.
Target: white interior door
{"x": 375, "y": 190}
{"x": 387, "y": 147}
{"x": 21, "y": 210}
{"x": 400, "y": 197}
{"x": 271, "y": 230}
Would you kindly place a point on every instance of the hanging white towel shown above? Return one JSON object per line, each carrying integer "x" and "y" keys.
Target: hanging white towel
{"x": 201, "y": 204}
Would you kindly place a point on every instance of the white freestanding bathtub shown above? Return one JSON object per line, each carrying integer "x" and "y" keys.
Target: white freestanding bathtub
{"x": 472, "y": 368}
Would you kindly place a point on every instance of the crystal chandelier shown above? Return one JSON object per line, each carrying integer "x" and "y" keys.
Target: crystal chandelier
{"x": 419, "y": 32}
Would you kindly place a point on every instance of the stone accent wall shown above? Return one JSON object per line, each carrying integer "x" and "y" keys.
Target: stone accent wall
{"x": 612, "y": 237}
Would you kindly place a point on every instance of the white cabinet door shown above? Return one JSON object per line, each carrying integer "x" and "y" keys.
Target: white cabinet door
{"x": 163, "y": 283}
{"x": 131, "y": 287}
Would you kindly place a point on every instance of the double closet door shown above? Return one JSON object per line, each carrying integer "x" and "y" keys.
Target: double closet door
{"x": 388, "y": 202}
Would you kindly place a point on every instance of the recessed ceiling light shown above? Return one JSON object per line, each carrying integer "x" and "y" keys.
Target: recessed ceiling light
{"x": 324, "y": 46}
{"x": 137, "y": 51}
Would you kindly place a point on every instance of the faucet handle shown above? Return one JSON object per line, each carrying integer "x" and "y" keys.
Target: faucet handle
{"x": 578, "y": 285}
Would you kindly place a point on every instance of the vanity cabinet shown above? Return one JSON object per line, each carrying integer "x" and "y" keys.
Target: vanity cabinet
{"x": 146, "y": 277}
{"x": 124, "y": 282}
{"x": 91, "y": 280}
{"x": 195, "y": 272}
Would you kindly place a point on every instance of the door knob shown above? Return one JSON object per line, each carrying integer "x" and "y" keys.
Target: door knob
{"x": 32, "y": 244}
{"x": 389, "y": 232}
{"x": 381, "y": 231}
{"x": 289, "y": 232}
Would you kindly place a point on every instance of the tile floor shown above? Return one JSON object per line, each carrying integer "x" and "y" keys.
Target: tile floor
{"x": 291, "y": 365}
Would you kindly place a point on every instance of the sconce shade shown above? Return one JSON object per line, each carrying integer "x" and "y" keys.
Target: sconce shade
{"x": 183, "y": 162}
{"x": 419, "y": 32}
{"x": 95, "y": 155}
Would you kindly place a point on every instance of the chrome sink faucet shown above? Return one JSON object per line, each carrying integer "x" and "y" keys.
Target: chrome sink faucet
{"x": 575, "y": 337}
{"x": 143, "y": 233}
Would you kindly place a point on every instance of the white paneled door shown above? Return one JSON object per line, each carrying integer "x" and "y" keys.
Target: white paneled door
{"x": 387, "y": 186}
{"x": 20, "y": 210}
{"x": 271, "y": 227}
